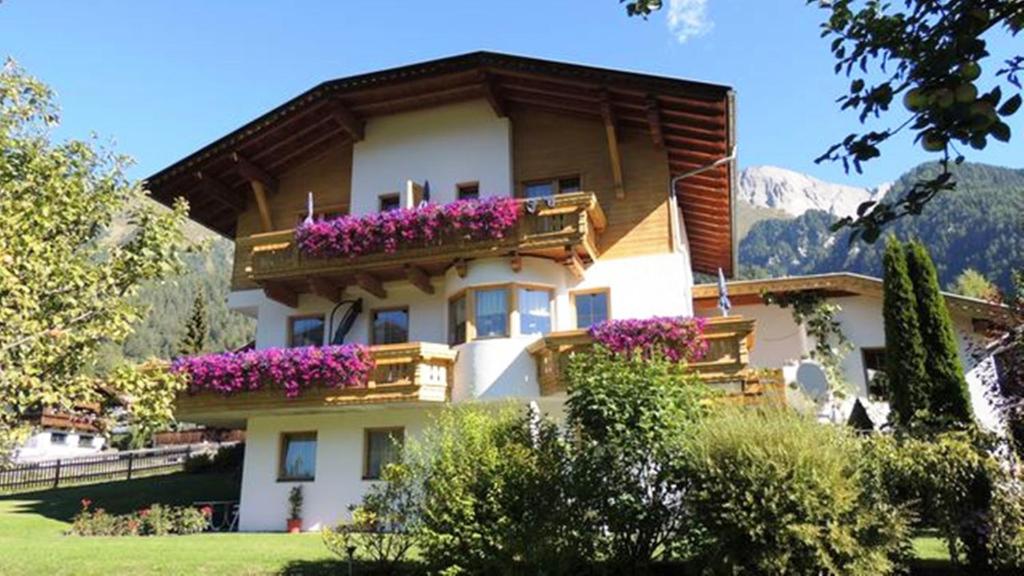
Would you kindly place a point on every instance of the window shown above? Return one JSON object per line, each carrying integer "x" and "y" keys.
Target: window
{"x": 457, "y": 320}
{"x": 591, "y": 307}
{"x": 382, "y": 447}
{"x": 298, "y": 456}
{"x": 534, "y": 306}
{"x": 305, "y": 331}
{"x": 551, "y": 187}
{"x": 491, "y": 312}
{"x": 58, "y": 438}
{"x": 391, "y": 326}
{"x": 390, "y": 202}
{"x": 468, "y": 191}
{"x": 874, "y": 373}
{"x": 85, "y": 441}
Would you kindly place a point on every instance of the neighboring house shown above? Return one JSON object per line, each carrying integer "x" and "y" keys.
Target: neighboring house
{"x": 604, "y": 232}
{"x": 59, "y": 434}
{"x": 781, "y": 342}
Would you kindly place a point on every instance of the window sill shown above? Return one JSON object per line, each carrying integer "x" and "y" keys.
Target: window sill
{"x": 294, "y": 480}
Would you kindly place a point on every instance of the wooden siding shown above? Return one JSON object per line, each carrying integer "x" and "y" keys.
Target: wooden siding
{"x": 549, "y": 145}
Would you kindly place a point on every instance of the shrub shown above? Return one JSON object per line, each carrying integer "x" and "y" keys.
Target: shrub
{"x": 775, "y": 493}
{"x": 383, "y": 528}
{"x": 630, "y": 416}
{"x": 905, "y": 356}
{"x": 157, "y": 520}
{"x": 952, "y": 483}
{"x": 295, "y": 503}
{"x": 492, "y": 493}
{"x": 224, "y": 459}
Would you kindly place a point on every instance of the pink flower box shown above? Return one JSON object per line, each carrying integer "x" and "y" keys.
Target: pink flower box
{"x": 677, "y": 339}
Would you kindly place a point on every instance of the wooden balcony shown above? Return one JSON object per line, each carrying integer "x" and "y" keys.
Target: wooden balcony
{"x": 417, "y": 372}
{"x": 566, "y": 229}
{"x": 725, "y": 366}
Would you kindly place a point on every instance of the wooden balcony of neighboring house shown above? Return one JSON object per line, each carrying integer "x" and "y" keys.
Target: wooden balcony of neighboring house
{"x": 725, "y": 366}
{"x": 564, "y": 227}
{"x": 415, "y": 372}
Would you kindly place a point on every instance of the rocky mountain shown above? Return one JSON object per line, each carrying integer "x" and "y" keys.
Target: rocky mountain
{"x": 980, "y": 225}
{"x": 795, "y": 193}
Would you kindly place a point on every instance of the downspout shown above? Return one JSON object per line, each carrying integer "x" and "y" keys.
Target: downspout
{"x": 678, "y": 226}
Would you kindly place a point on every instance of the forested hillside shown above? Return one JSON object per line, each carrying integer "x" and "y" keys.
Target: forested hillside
{"x": 170, "y": 305}
{"x": 980, "y": 225}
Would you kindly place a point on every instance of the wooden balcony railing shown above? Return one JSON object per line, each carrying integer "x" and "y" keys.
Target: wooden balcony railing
{"x": 725, "y": 366}
{"x": 413, "y": 372}
{"x": 565, "y": 228}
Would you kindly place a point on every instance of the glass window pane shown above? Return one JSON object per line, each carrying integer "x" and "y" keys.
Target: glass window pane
{"x": 591, "y": 309}
{"x": 566, "y": 185}
{"x": 307, "y": 331}
{"x": 298, "y": 458}
{"x": 457, "y": 321}
{"x": 539, "y": 189}
{"x": 469, "y": 191}
{"x": 382, "y": 448}
{"x": 390, "y": 326}
{"x": 534, "y": 311}
{"x": 389, "y": 202}
{"x": 491, "y": 313}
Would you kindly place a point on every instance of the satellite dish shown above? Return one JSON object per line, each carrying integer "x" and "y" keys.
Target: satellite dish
{"x": 811, "y": 378}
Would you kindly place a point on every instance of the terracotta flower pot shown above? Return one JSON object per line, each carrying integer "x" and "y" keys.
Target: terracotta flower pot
{"x": 295, "y": 526}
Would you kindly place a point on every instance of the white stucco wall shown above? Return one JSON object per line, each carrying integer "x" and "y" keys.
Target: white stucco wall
{"x": 40, "y": 446}
{"x": 339, "y": 465}
{"x": 445, "y": 145}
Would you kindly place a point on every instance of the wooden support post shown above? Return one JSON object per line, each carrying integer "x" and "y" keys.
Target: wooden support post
{"x": 56, "y": 475}
{"x": 131, "y": 464}
{"x": 281, "y": 294}
{"x": 264, "y": 207}
{"x": 263, "y": 184}
{"x": 461, "y": 267}
{"x": 349, "y": 122}
{"x": 325, "y": 289}
{"x": 419, "y": 278}
{"x": 371, "y": 284}
{"x": 517, "y": 262}
{"x": 654, "y": 121}
{"x": 613, "y": 145}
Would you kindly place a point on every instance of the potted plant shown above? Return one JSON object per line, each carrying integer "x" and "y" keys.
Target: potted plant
{"x": 295, "y": 510}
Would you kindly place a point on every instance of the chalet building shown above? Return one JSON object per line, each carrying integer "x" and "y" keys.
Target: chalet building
{"x": 622, "y": 188}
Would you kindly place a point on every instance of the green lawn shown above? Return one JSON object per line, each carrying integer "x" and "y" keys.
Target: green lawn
{"x": 32, "y": 539}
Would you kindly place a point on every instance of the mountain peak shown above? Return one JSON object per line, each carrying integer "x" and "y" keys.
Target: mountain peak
{"x": 796, "y": 193}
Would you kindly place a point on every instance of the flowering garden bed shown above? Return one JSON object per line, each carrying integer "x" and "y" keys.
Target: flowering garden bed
{"x": 425, "y": 225}
{"x": 677, "y": 339}
{"x": 292, "y": 369}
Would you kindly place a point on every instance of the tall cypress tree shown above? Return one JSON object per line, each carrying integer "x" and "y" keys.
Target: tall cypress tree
{"x": 196, "y": 329}
{"x": 949, "y": 398}
{"x": 904, "y": 351}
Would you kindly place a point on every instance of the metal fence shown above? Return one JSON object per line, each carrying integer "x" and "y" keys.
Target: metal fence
{"x": 103, "y": 467}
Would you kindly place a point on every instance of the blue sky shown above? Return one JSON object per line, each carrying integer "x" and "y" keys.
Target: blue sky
{"x": 163, "y": 78}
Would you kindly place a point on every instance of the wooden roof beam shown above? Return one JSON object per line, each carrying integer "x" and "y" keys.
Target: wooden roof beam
{"x": 371, "y": 284}
{"x": 419, "y": 278}
{"x": 355, "y": 126}
{"x": 491, "y": 94}
{"x": 326, "y": 289}
{"x": 613, "y": 145}
{"x": 220, "y": 192}
{"x": 281, "y": 294}
{"x": 254, "y": 173}
{"x": 654, "y": 121}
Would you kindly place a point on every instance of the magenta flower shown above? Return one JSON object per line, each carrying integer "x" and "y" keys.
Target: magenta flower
{"x": 677, "y": 339}
{"x": 425, "y": 225}
{"x": 291, "y": 369}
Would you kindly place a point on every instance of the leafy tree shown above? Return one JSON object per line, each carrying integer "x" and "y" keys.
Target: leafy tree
{"x": 973, "y": 284}
{"x": 65, "y": 287}
{"x": 630, "y": 417}
{"x": 196, "y": 330}
{"x": 904, "y": 351}
{"x": 949, "y": 399}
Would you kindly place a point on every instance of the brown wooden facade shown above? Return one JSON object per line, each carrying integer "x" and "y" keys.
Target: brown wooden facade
{"x": 624, "y": 134}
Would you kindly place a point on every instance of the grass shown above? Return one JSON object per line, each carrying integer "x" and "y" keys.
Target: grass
{"x": 32, "y": 539}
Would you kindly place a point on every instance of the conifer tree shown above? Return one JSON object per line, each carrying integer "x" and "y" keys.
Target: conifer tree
{"x": 949, "y": 399}
{"x": 196, "y": 329}
{"x": 904, "y": 350}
